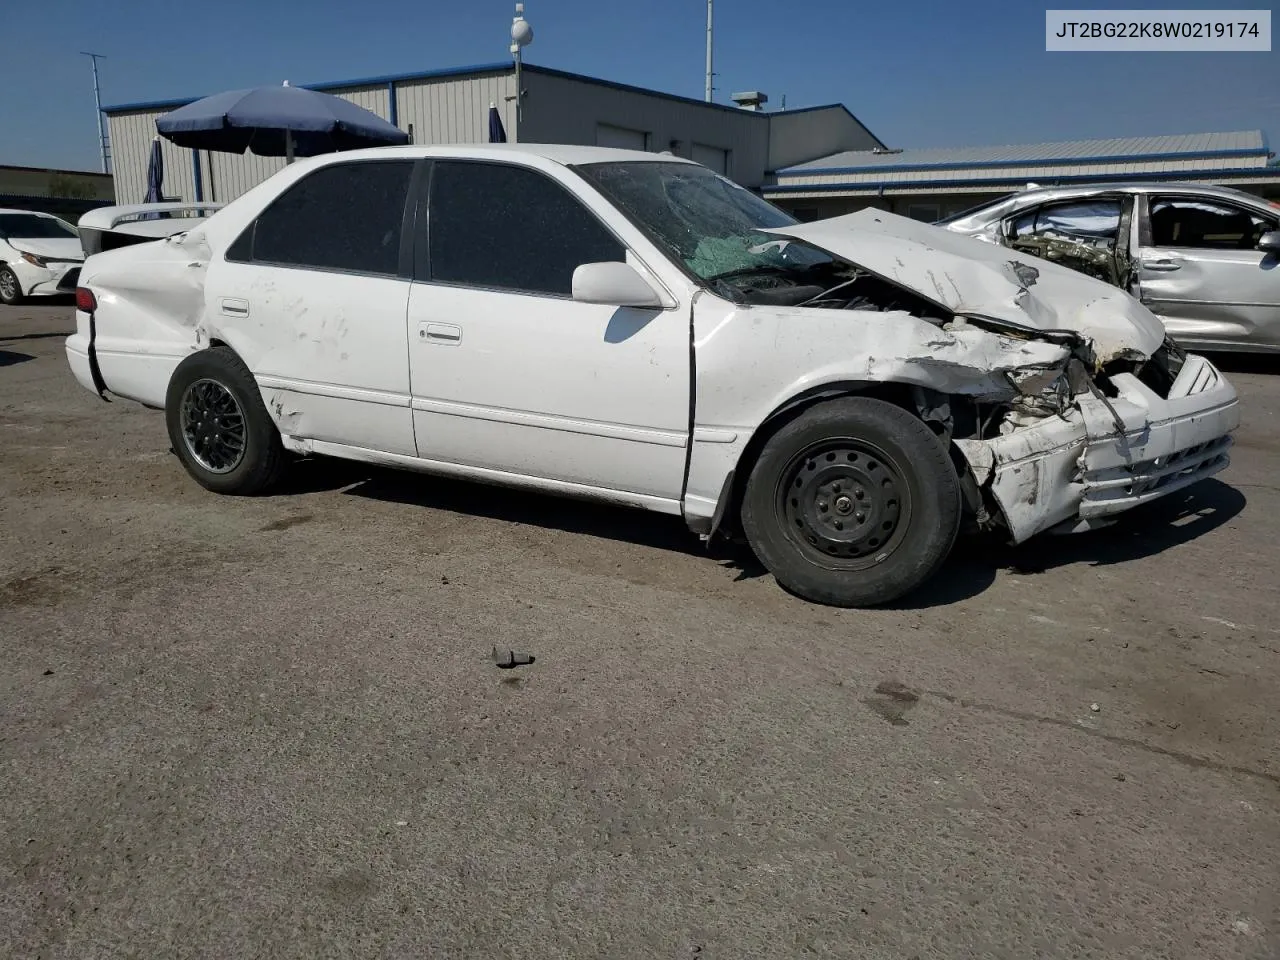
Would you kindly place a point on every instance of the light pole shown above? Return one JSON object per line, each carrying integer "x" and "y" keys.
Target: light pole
{"x": 97, "y": 102}
{"x": 710, "y": 73}
{"x": 521, "y": 37}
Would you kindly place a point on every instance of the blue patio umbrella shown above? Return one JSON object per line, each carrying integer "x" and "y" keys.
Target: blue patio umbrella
{"x": 496, "y": 132}
{"x": 155, "y": 178}
{"x": 279, "y": 121}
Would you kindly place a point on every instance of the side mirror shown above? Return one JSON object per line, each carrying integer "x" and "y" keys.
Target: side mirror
{"x": 1269, "y": 242}
{"x": 613, "y": 283}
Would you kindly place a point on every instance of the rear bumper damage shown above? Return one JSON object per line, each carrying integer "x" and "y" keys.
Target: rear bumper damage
{"x": 1104, "y": 456}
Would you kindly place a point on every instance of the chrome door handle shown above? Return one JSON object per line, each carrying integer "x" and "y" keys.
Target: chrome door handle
{"x": 235, "y": 308}
{"x": 1159, "y": 266}
{"x": 446, "y": 333}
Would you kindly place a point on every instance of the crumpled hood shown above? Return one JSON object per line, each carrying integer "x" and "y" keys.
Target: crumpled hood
{"x": 967, "y": 276}
{"x": 57, "y": 248}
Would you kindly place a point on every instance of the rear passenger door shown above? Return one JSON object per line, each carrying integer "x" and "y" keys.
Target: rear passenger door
{"x": 1201, "y": 270}
{"x": 313, "y": 296}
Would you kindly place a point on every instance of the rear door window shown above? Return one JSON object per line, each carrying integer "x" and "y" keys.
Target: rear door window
{"x": 1205, "y": 224}
{"x": 346, "y": 217}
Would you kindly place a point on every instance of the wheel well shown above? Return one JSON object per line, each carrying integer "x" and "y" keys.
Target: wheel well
{"x": 899, "y": 394}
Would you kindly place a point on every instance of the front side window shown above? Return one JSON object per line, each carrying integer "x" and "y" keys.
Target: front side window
{"x": 1097, "y": 219}
{"x": 500, "y": 226}
{"x": 26, "y": 226}
{"x": 1203, "y": 224}
{"x": 344, "y": 217}
{"x": 702, "y": 220}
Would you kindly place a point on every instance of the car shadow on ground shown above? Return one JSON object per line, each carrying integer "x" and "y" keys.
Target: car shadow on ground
{"x": 1143, "y": 532}
{"x": 495, "y": 502}
{"x": 34, "y": 336}
{"x": 971, "y": 569}
{"x": 8, "y": 358}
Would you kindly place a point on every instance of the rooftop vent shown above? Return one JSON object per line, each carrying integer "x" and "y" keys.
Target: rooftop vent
{"x": 750, "y": 99}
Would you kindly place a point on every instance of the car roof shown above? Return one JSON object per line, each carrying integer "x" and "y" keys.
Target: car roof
{"x": 1205, "y": 189}
{"x": 31, "y": 213}
{"x": 562, "y": 153}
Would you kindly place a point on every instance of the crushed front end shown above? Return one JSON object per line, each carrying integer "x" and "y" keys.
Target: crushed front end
{"x": 1090, "y": 445}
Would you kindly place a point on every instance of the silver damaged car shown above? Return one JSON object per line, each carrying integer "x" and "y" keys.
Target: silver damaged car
{"x": 1205, "y": 260}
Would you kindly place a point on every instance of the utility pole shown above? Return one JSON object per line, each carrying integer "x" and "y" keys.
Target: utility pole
{"x": 710, "y": 73}
{"x": 97, "y": 102}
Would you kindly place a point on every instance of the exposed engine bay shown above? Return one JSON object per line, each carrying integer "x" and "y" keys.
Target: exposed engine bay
{"x": 1031, "y": 396}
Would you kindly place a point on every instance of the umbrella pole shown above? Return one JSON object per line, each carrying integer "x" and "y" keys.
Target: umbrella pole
{"x": 288, "y": 146}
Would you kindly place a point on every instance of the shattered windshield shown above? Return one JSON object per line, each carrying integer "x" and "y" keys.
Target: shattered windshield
{"x": 26, "y": 226}
{"x": 706, "y": 221}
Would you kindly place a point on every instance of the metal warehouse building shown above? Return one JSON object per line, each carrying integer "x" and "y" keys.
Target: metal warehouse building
{"x": 452, "y": 106}
{"x": 934, "y": 183}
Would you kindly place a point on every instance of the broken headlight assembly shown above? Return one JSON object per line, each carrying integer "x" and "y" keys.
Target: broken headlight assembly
{"x": 1047, "y": 390}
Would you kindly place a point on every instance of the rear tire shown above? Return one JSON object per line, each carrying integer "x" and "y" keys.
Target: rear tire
{"x": 853, "y": 503}
{"x": 10, "y": 288}
{"x": 219, "y": 426}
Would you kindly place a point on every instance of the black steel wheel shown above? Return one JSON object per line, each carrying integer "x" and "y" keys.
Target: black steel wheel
{"x": 219, "y": 426}
{"x": 844, "y": 502}
{"x": 852, "y": 503}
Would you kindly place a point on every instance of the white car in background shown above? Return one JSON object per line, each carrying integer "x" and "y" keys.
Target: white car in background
{"x": 37, "y": 250}
{"x": 635, "y": 328}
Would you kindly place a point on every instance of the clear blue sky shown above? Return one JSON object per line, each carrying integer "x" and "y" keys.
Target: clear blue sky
{"x": 917, "y": 73}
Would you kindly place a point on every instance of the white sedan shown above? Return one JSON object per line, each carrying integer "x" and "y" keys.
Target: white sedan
{"x": 635, "y": 328}
{"x": 36, "y": 251}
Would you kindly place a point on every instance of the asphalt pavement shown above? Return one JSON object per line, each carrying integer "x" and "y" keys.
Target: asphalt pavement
{"x": 272, "y": 727}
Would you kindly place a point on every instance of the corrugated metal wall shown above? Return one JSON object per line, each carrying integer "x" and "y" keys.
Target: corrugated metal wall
{"x": 131, "y": 136}
{"x": 797, "y": 137}
{"x": 564, "y": 110}
{"x": 558, "y": 109}
{"x": 455, "y": 110}
{"x": 225, "y": 175}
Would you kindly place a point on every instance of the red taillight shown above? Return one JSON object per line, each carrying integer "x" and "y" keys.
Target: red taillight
{"x": 85, "y": 300}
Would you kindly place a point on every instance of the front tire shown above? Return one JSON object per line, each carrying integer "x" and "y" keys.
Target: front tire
{"x": 854, "y": 503}
{"x": 10, "y": 288}
{"x": 219, "y": 426}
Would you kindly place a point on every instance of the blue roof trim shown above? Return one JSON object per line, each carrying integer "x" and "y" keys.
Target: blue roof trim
{"x": 804, "y": 171}
{"x": 821, "y": 106}
{"x": 1004, "y": 183}
{"x": 499, "y": 67}
{"x": 629, "y": 88}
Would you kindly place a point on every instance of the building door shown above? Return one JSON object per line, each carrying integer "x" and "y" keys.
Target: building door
{"x": 608, "y": 135}
{"x": 713, "y": 157}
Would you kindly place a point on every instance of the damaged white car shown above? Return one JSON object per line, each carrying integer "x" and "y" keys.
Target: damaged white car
{"x": 638, "y": 329}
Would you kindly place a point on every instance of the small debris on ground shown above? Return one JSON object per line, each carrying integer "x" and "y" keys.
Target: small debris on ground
{"x": 1094, "y": 707}
{"x": 1119, "y": 776}
{"x": 892, "y": 699}
{"x": 506, "y": 659}
{"x": 48, "y": 673}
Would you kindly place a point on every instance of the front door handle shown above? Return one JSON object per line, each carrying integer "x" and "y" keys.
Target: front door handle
{"x": 234, "y": 308}
{"x": 444, "y": 333}
{"x": 1161, "y": 266}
